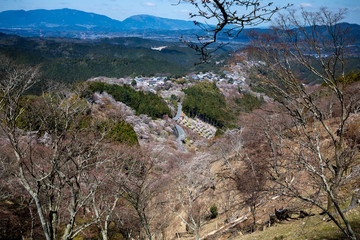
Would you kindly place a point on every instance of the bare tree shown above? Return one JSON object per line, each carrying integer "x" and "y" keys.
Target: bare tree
{"x": 231, "y": 18}
{"x": 310, "y": 39}
{"x": 138, "y": 183}
{"x": 106, "y": 198}
{"x": 127, "y": 175}
{"x": 247, "y": 170}
{"x": 52, "y": 155}
{"x": 193, "y": 180}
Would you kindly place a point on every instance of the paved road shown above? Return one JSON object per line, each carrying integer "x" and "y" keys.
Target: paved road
{"x": 179, "y": 131}
{"x": 178, "y": 112}
{"x": 181, "y": 134}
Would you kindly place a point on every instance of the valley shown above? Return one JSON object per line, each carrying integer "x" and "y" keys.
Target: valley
{"x": 117, "y": 130}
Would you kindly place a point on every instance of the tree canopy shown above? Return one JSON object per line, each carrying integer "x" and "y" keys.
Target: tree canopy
{"x": 143, "y": 103}
{"x": 206, "y": 101}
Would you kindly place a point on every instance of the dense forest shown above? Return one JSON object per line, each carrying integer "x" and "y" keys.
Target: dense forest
{"x": 81, "y": 69}
{"x": 75, "y": 60}
{"x": 206, "y": 102}
{"x": 143, "y": 103}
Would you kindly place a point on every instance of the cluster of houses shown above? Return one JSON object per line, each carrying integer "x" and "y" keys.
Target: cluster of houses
{"x": 151, "y": 81}
{"x": 226, "y": 77}
{"x": 151, "y": 84}
{"x": 208, "y": 76}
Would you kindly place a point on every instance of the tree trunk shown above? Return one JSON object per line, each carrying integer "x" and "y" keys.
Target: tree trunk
{"x": 67, "y": 232}
{"x": 104, "y": 234}
{"x": 197, "y": 233}
{"x": 253, "y": 211}
{"x": 53, "y": 223}
{"x": 41, "y": 216}
{"x": 330, "y": 205}
{"x": 147, "y": 231}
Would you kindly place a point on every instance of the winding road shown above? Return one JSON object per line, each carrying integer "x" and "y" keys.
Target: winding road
{"x": 178, "y": 114}
{"x": 179, "y": 131}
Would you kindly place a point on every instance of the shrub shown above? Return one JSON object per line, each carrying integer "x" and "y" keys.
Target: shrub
{"x": 124, "y": 133}
{"x": 213, "y": 211}
{"x": 121, "y": 132}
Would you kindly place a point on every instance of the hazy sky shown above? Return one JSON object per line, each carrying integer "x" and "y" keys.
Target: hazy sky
{"x": 121, "y": 9}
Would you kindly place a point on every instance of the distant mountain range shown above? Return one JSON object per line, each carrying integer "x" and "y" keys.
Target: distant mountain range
{"x": 75, "y": 20}
{"x": 71, "y": 23}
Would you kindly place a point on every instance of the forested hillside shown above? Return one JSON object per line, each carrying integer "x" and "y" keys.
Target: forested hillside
{"x": 206, "y": 102}
{"x": 143, "y": 103}
{"x": 68, "y": 61}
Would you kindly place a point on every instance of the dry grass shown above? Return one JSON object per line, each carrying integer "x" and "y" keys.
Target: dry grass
{"x": 309, "y": 228}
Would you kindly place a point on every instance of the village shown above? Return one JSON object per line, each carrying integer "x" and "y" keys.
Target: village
{"x": 156, "y": 83}
{"x": 170, "y": 89}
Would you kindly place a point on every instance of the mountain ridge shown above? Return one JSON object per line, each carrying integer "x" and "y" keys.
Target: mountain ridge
{"x": 72, "y": 23}
{"x": 71, "y": 19}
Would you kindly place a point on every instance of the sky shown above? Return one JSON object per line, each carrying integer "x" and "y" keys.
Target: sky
{"x": 121, "y": 9}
